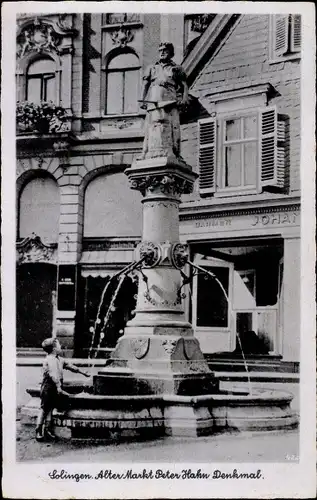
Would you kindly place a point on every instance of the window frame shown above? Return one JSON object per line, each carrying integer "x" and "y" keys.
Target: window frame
{"x": 250, "y": 271}
{"x": 221, "y": 150}
{"x": 125, "y": 22}
{"x": 255, "y": 323}
{"x": 270, "y": 165}
{"x": 43, "y": 78}
{"x": 123, "y": 71}
{"x": 289, "y": 54}
{"x": 212, "y": 262}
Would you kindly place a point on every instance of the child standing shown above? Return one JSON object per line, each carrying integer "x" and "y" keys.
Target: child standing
{"x": 51, "y": 387}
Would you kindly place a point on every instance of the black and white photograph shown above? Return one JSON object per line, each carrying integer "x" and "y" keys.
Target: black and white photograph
{"x": 158, "y": 250}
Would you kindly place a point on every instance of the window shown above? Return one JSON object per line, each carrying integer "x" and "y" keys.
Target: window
{"x": 120, "y": 17}
{"x": 39, "y": 207}
{"x": 241, "y": 153}
{"x": 239, "y": 138}
{"x": 285, "y": 36}
{"x": 249, "y": 274}
{"x": 211, "y": 294}
{"x": 122, "y": 89}
{"x": 41, "y": 81}
{"x": 212, "y": 305}
{"x": 111, "y": 208}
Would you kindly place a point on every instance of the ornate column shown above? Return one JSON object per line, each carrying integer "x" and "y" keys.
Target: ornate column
{"x": 158, "y": 352}
{"x": 159, "y": 294}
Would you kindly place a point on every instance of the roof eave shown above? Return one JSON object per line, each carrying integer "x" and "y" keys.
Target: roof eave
{"x": 207, "y": 44}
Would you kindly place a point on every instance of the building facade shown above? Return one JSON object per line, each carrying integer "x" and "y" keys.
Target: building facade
{"x": 78, "y": 221}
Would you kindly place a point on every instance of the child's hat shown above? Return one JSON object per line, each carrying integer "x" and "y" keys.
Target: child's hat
{"x": 48, "y": 343}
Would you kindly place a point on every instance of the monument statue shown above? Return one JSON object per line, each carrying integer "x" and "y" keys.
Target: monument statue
{"x": 165, "y": 92}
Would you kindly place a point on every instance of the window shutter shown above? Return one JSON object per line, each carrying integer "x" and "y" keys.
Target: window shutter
{"x": 281, "y": 139}
{"x": 280, "y": 34}
{"x": 207, "y": 132}
{"x": 268, "y": 147}
{"x": 296, "y": 33}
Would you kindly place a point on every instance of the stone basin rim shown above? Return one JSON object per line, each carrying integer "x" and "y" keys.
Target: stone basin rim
{"x": 234, "y": 396}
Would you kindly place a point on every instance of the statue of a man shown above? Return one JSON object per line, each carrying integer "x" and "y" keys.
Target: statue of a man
{"x": 165, "y": 91}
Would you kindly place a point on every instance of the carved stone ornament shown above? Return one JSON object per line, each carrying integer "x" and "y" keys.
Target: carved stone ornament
{"x": 124, "y": 124}
{"x": 37, "y": 37}
{"x": 164, "y": 302}
{"x": 140, "y": 347}
{"x": 166, "y": 184}
{"x": 150, "y": 251}
{"x": 61, "y": 146}
{"x": 191, "y": 347}
{"x": 121, "y": 37}
{"x": 179, "y": 255}
{"x": 32, "y": 249}
{"x": 65, "y": 21}
{"x": 169, "y": 345}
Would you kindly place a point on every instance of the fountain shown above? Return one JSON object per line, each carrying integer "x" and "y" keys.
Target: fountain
{"x": 157, "y": 381}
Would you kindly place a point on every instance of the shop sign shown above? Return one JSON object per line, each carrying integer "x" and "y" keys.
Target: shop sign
{"x": 275, "y": 219}
{"x": 241, "y": 222}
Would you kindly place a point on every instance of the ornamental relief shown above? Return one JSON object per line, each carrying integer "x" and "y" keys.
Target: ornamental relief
{"x": 170, "y": 345}
{"x": 32, "y": 249}
{"x": 40, "y": 35}
{"x": 191, "y": 348}
{"x": 140, "y": 347}
{"x": 166, "y": 184}
{"x": 121, "y": 37}
{"x": 37, "y": 37}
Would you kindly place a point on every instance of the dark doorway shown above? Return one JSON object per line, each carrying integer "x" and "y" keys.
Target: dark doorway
{"x": 34, "y": 284}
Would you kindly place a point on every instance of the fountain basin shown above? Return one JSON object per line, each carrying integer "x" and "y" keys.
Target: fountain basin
{"x": 90, "y": 416}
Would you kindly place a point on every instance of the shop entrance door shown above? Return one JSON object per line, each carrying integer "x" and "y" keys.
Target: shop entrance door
{"x": 35, "y": 290}
{"x": 212, "y": 297}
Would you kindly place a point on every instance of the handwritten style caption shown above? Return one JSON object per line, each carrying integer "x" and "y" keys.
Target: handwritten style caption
{"x": 154, "y": 474}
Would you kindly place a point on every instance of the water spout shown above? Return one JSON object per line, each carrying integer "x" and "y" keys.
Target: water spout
{"x": 136, "y": 265}
{"x": 97, "y": 317}
{"x": 109, "y": 311}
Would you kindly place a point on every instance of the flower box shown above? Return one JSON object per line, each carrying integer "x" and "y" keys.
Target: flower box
{"x": 43, "y": 118}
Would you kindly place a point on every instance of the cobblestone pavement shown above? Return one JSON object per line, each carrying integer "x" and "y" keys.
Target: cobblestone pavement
{"x": 236, "y": 447}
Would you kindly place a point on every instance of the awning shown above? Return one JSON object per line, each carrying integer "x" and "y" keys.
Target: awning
{"x": 104, "y": 263}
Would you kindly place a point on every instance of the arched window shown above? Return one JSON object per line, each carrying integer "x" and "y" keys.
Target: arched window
{"x": 112, "y": 208}
{"x": 123, "y": 79}
{"x": 39, "y": 209}
{"x": 41, "y": 81}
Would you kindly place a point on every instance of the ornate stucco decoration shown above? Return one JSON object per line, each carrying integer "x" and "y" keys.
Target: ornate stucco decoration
{"x": 37, "y": 37}
{"x": 32, "y": 249}
{"x": 65, "y": 21}
{"x": 121, "y": 37}
{"x": 44, "y": 35}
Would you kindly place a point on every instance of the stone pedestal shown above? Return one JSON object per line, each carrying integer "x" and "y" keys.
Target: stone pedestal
{"x": 158, "y": 353}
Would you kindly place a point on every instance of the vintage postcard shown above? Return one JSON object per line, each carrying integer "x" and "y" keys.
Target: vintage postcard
{"x": 158, "y": 250}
